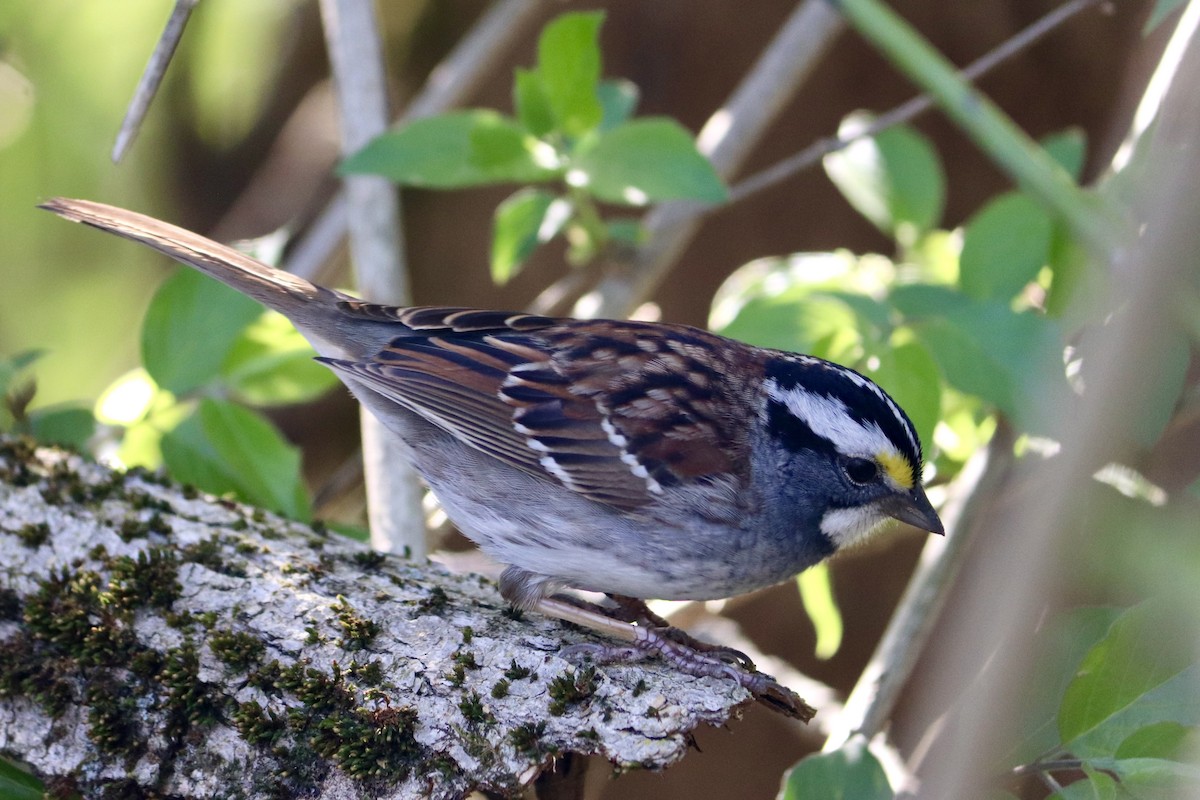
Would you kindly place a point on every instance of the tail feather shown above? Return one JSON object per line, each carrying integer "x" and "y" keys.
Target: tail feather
{"x": 288, "y": 294}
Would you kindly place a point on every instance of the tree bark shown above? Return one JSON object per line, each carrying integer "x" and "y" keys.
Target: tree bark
{"x": 157, "y": 641}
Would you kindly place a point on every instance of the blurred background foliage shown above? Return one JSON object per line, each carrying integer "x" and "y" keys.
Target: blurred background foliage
{"x": 908, "y": 256}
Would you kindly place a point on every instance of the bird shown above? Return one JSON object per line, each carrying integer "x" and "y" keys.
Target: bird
{"x": 636, "y": 459}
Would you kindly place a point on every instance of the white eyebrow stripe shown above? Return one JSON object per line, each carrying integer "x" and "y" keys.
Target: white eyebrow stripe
{"x": 875, "y": 389}
{"x": 830, "y": 419}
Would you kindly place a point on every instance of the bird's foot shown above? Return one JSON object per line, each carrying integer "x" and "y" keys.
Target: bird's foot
{"x": 700, "y": 663}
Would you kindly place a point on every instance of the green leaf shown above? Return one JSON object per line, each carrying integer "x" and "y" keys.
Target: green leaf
{"x": 190, "y": 325}
{"x": 450, "y": 151}
{"x": 1138, "y": 675}
{"x": 522, "y": 222}
{"x": 849, "y": 773}
{"x": 1159, "y": 740}
{"x": 11, "y": 367}
{"x": 531, "y": 103}
{"x": 569, "y": 65}
{"x": 1012, "y": 360}
{"x": 1162, "y": 10}
{"x": 1004, "y": 247}
{"x": 645, "y": 161}
{"x": 800, "y": 321}
{"x": 1069, "y": 149}
{"x": 65, "y": 425}
{"x": 17, "y": 784}
{"x": 909, "y": 373}
{"x": 619, "y": 99}
{"x": 226, "y": 448}
{"x": 1061, "y": 644}
{"x": 272, "y": 364}
{"x": 894, "y": 179}
{"x": 816, "y": 594}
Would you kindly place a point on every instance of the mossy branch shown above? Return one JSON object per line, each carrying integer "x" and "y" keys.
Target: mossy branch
{"x": 154, "y": 640}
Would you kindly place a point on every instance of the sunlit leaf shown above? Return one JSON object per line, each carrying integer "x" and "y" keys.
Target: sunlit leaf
{"x": 816, "y": 593}
{"x": 1004, "y": 247}
{"x": 190, "y": 325}
{"x": 531, "y": 103}
{"x": 894, "y": 179}
{"x": 645, "y": 161}
{"x": 272, "y": 364}
{"x": 1138, "y": 675}
{"x": 619, "y": 99}
{"x": 848, "y": 773}
{"x": 65, "y": 425}
{"x": 225, "y": 448}
{"x": 519, "y": 226}
{"x": 465, "y": 148}
{"x": 569, "y": 65}
{"x": 1069, "y": 149}
{"x": 17, "y": 784}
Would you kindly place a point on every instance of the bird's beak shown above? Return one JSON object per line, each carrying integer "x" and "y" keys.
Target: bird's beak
{"x": 915, "y": 509}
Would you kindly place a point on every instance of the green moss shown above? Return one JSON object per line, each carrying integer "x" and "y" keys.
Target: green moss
{"x": 27, "y": 670}
{"x": 570, "y": 688}
{"x": 639, "y": 688}
{"x": 468, "y": 633}
{"x": 467, "y": 659}
{"x": 435, "y": 602}
{"x": 527, "y": 738}
{"x": 516, "y": 672}
{"x": 152, "y": 579}
{"x": 357, "y": 631}
{"x": 500, "y": 689}
{"x": 34, "y": 535}
{"x": 10, "y": 604}
{"x": 190, "y": 701}
{"x": 133, "y": 528}
{"x": 113, "y": 719}
{"x": 259, "y": 726}
{"x": 457, "y": 675}
{"x": 471, "y": 706}
{"x": 236, "y": 649}
{"x": 370, "y": 673}
{"x": 370, "y": 560}
{"x": 376, "y": 745}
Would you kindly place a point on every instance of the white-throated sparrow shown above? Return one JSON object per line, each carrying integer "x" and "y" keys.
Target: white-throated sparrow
{"x": 636, "y": 459}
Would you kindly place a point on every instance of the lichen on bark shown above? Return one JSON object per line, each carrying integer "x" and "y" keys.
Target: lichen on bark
{"x": 156, "y": 640}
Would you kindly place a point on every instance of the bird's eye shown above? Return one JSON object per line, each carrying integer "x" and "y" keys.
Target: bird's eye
{"x": 862, "y": 470}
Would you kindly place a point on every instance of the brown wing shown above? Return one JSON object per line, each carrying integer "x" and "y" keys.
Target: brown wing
{"x": 615, "y": 411}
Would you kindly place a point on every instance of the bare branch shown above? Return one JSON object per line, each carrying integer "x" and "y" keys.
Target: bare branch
{"x": 451, "y": 82}
{"x": 152, "y": 76}
{"x": 377, "y": 248}
{"x": 911, "y": 109}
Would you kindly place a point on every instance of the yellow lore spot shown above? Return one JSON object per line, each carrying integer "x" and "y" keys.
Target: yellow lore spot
{"x": 897, "y": 468}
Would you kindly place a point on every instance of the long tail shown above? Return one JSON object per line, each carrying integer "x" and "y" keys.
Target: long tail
{"x": 290, "y": 295}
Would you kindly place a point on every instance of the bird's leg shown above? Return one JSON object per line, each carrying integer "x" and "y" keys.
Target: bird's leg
{"x": 633, "y": 609}
{"x": 646, "y": 641}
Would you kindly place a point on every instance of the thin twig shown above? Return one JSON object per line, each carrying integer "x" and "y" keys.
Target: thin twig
{"x": 908, "y": 110}
{"x": 376, "y": 243}
{"x": 874, "y": 696}
{"x": 728, "y": 138}
{"x": 454, "y": 80}
{"x": 152, "y": 76}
